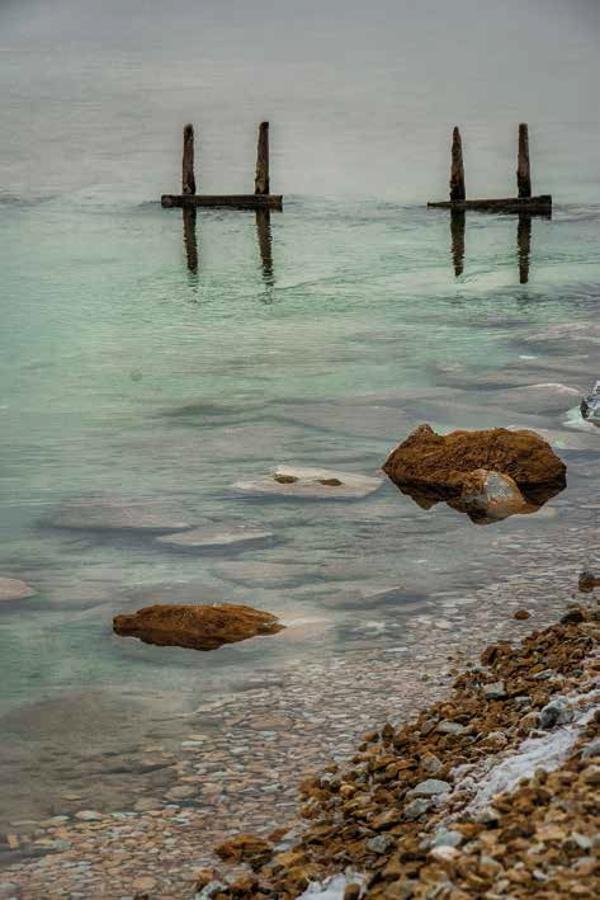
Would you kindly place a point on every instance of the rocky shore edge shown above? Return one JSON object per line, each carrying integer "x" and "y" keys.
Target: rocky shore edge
{"x": 491, "y": 792}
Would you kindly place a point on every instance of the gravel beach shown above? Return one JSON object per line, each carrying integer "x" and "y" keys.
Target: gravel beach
{"x": 243, "y": 774}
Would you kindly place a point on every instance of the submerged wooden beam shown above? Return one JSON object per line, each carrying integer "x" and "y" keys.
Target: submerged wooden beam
{"x": 523, "y": 167}
{"x": 188, "y": 182}
{"x": 261, "y": 181}
{"x": 231, "y": 201}
{"x": 457, "y": 171}
{"x": 535, "y": 206}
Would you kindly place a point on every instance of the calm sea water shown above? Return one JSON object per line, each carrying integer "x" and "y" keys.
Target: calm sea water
{"x": 321, "y": 339}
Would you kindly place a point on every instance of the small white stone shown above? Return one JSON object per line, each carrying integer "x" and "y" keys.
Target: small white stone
{"x": 444, "y": 853}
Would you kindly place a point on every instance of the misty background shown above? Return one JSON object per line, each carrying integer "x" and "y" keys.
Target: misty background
{"x": 361, "y": 96}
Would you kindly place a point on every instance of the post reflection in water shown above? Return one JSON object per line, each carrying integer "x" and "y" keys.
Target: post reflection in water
{"x": 263, "y": 233}
{"x": 457, "y": 233}
{"x": 524, "y": 246}
{"x": 265, "y": 244}
{"x": 189, "y": 239}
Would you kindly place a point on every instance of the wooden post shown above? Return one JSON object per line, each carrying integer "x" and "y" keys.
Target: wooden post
{"x": 457, "y": 172}
{"x": 188, "y": 182}
{"x": 523, "y": 169}
{"x": 261, "y": 182}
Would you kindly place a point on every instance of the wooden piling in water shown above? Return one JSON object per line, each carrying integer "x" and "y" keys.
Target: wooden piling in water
{"x": 524, "y": 203}
{"x": 523, "y": 167}
{"x": 261, "y": 181}
{"x": 457, "y": 171}
{"x": 188, "y": 182}
{"x": 189, "y": 199}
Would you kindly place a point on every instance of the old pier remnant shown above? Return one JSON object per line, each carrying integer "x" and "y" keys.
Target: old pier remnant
{"x": 523, "y": 168}
{"x": 261, "y": 181}
{"x": 525, "y": 202}
{"x": 188, "y": 182}
{"x": 260, "y": 199}
{"x": 457, "y": 169}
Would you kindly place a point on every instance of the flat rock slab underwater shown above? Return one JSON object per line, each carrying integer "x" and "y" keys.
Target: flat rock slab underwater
{"x": 311, "y": 484}
{"x": 207, "y": 537}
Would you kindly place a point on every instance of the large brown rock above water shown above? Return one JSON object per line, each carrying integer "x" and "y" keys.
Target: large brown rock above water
{"x": 438, "y": 466}
{"x": 195, "y": 626}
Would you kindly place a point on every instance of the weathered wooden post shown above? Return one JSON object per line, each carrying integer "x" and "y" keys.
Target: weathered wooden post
{"x": 188, "y": 182}
{"x": 261, "y": 182}
{"x": 523, "y": 169}
{"x": 457, "y": 172}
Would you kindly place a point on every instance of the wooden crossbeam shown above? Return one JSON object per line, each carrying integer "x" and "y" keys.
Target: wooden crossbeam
{"x": 189, "y": 199}
{"x": 231, "y": 201}
{"x": 523, "y": 204}
{"x": 534, "y": 206}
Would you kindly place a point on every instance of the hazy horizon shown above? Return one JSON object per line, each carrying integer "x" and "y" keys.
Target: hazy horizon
{"x": 361, "y": 98}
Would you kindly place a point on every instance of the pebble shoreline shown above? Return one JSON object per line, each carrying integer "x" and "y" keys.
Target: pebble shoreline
{"x": 245, "y": 776}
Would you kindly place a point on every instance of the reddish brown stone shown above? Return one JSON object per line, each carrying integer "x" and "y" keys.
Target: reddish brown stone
{"x": 522, "y": 614}
{"x": 197, "y": 627}
{"x": 436, "y": 467}
{"x": 246, "y": 848}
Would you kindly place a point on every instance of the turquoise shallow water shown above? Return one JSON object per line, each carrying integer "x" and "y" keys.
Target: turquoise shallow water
{"x": 125, "y": 374}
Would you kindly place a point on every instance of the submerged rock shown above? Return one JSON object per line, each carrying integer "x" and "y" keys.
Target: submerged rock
{"x": 120, "y": 514}
{"x": 490, "y": 496}
{"x": 196, "y": 627}
{"x": 590, "y": 405}
{"x": 487, "y": 474}
{"x": 14, "y": 589}
{"x": 588, "y": 581}
{"x": 311, "y": 484}
{"x": 208, "y": 536}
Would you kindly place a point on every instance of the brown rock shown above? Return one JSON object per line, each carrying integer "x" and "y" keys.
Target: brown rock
{"x": 246, "y": 848}
{"x": 588, "y": 581}
{"x": 352, "y": 892}
{"x": 244, "y": 885}
{"x": 204, "y": 877}
{"x": 573, "y": 617}
{"x": 522, "y": 614}
{"x": 493, "y": 652}
{"x": 197, "y": 627}
{"x": 436, "y": 467}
